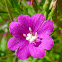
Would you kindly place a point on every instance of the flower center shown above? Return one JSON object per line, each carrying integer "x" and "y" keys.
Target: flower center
{"x": 30, "y": 37}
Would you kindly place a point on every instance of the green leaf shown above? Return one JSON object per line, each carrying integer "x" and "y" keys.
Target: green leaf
{"x": 3, "y": 44}
{"x": 31, "y": 12}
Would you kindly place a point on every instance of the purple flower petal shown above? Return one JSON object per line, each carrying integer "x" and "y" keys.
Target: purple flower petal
{"x": 37, "y": 42}
{"x": 47, "y": 42}
{"x": 36, "y": 21}
{"x": 46, "y": 28}
{"x": 17, "y": 29}
{"x": 24, "y": 20}
{"x": 33, "y": 28}
{"x": 37, "y": 52}
{"x": 15, "y": 43}
{"x": 23, "y": 52}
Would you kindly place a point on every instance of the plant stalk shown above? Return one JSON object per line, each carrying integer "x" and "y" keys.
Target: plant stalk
{"x": 9, "y": 13}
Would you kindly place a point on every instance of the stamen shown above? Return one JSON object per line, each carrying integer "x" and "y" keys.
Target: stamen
{"x": 36, "y": 34}
{"x": 29, "y": 35}
{"x": 30, "y": 29}
{"x": 31, "y": 40}
{"x": 27, "y": 38}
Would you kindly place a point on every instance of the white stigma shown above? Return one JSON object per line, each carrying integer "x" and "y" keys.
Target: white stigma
{"x": 30, "y": 37}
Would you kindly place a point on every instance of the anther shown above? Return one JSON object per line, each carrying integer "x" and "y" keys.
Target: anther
{"x": 24, "y": 35}
{"x": 30, "y": 29}
{"x": 36, "y": 34}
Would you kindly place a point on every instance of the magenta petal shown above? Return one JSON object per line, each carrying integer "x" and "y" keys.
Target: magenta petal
{"x": 24, "y": 20}
{"x": 17, "y": 29}
{"x": 36, "y": 21}
{"x": 23, "y": 52}
{"x": 47, "y": 42}
{"x": 37, "y": 52}
{"x": 46, "y": 28}
{"x": 15, "y": 43}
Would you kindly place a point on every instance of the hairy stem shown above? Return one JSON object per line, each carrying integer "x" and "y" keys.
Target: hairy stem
{"x": 9, "y": 13}
{"x": 14, "y": 60}
{"x": 7, "y": 56}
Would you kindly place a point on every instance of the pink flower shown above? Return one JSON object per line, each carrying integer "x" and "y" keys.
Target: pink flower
{"x": 29, "y": 2}
{"x": 31, "y": 36}
{"x": 14, "y": 19}
{"x": 55, "y": 26}
{"x": 60, "y": 31}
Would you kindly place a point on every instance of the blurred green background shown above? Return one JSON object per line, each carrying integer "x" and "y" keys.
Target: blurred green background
{"x": 11, "y": 9}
